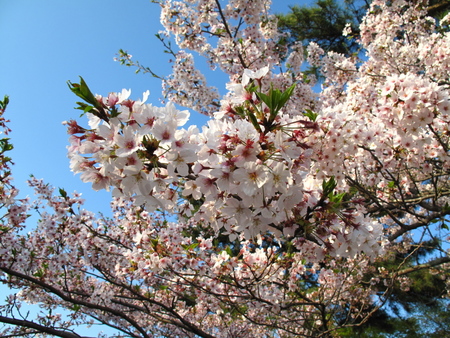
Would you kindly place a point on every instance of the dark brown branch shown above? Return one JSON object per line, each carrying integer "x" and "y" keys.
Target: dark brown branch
{"x": 430, "y": 264}
{"x": 227, "y": 28}
{"x": 40, "y": 328}
{"x": 405, "y": 228}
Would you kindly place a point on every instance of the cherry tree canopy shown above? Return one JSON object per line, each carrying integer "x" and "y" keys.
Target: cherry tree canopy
{"x": 281, "y": 205}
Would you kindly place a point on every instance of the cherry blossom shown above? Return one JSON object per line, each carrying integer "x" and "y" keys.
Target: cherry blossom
{"x": 267, "y": 221}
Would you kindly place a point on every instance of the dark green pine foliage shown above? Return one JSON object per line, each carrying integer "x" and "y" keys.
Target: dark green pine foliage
{"x": 438, "y": 8}
{"x": 419, "y": 311}
{"x": 323, "y": 23}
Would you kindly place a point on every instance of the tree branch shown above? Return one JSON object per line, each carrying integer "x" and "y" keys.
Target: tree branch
{"x": 70, "y": 299}
{"x": 430, "y": 264}
{"x": 40, "y": 328}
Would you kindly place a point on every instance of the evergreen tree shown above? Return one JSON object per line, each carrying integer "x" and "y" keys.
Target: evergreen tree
{"x": 324, "y": 22}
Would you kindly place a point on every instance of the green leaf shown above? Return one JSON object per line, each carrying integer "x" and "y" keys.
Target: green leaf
{"x": 86, "y": 108}
{"x": 4, "y": 228}
{"x": 328, "y": 186}
{"x": 337, "y": 198}
{"x": 82, "y": 90}
{"x": 229, "y": 251}
{"x": 114, "y": 112}
{"x": 446, "y": 208}
{"x": 264, "y": 98}
{"x": 311, "y": 115}
{"x": 190, "y": 246}
{"x": 95, "y": 107}
{"x": 5, "y": 145}
{"x": 190, "y": 300}
{"x": 39, "y": 274}
{"x": 63, "y": 193}
{"x": 4, "y": 103}
{"x": 286, "y": 95}
{"x": 240, "y": 111}
{"x": 254, "y": 121}
{"x": 275, "y": 100}
{"x": 155, "y": 242}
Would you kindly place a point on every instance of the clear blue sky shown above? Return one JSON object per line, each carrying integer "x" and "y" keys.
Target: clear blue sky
{"x": 48, "y": 42}
{"x": 45, "y": 43}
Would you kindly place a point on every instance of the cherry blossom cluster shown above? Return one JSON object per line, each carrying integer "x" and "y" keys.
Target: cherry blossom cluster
{"x": 246, "y": 173}
{"x": 394, "y": 115}
{"x": 385, "y": 123}
{"x": 145, "y": 275}
{"x": 187, "y": 86}
{"x": 232, "y": 36}
{"x": 194, "y": 22}
{"x": 15, "y": 209}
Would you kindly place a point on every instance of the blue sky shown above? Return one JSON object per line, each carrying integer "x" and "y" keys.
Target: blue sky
{"x": 46, "y": 43}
